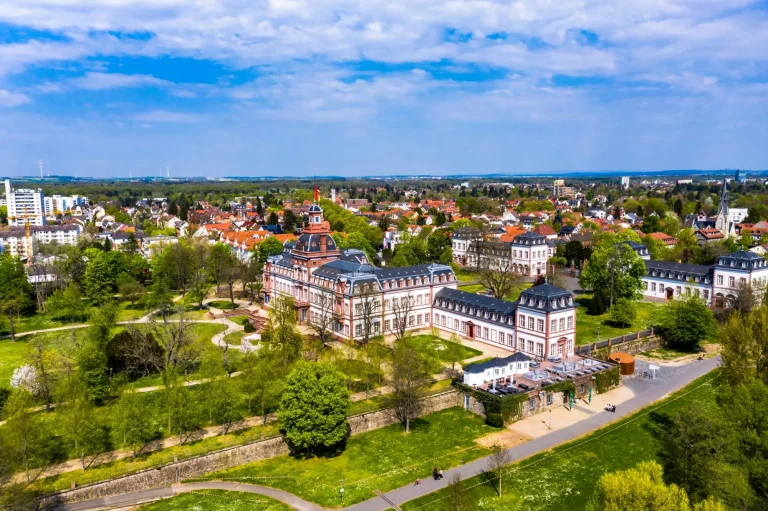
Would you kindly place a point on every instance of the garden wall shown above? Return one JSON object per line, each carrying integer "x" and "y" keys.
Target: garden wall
{"x": 632, "y": 344}
{"x": 198, "y": 466}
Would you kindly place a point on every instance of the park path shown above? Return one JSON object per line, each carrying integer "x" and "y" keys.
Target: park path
{"x": 646, "y": 393}
{"x": 132, "y": 499}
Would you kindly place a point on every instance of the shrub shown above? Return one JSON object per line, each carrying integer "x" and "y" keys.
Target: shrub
{"x": 597, "y": 305}
{"x": 495, "y": 420}
{"x": 623, "y": 312}
{"x": 248, "y": 328}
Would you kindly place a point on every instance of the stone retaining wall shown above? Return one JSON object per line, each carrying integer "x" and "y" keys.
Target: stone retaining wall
{"x": 198, "y": 466}
{"x": 632, "y": 347}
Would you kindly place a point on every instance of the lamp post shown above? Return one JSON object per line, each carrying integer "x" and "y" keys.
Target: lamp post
{"x": 341, "y": 491}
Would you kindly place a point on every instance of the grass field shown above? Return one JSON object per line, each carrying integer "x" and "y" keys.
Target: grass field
{"x": 222, "y": 304}
{"x": 217, "y": 500}
{"x": 423, "y": 342}
{"x": 14, "y": 354}
{"x": 587, "y": 325}
{"x": 240, "y": 320}
{"x": 234, "y": 338}
{"x": 565, "y": 477}
{"x": 382, "y": 459}
{"x": 466, "y": 275}
{"x": 473, "y": 288}
{"x": 379, "y": 402}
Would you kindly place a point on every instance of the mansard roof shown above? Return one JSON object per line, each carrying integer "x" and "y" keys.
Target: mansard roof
{"x": 546, "y": 297}
{"x": 742, "y": 259}
{"x": 529, "y": 238}
{"x": 677, "y": 271}
{"x": 446, "y": 298}
{"x": 353, "y": 272}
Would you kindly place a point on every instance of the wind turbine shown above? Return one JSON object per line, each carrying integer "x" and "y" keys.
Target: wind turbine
{"x": 41, "y": 168}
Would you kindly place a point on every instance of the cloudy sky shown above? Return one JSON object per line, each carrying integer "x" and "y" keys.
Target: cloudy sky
{"x": 302, "y": 87}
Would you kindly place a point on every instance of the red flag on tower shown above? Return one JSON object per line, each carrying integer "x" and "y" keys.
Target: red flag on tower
{"x": 317, "y": 195}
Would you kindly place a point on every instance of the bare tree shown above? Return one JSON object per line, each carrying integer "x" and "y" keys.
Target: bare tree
{"x": 369, "y": 299}
{"x": 402, "y": 307}
{"x": 746, "y": 298}
{"x": 457, "y": 496}
{"x": 322, "y": 319}
{"x": 409, "y": 380}
{"x": 231, "y": 274}
{"x": 497, "y": 461}
{"x": 179, "y": 349}
{"x": 497, "y": 275}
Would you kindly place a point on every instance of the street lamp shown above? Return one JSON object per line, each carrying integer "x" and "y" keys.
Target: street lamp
{"x": 341, "y": 491}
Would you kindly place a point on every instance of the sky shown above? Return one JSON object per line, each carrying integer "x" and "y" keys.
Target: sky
{"x": 112, "y": 88}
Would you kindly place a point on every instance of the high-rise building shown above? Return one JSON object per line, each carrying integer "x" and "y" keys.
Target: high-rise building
{"x": 62, "y": 203}
{"x": 560, "y": 190}
{"x": 625, "y": 182}
{"x": 24, "y": 205}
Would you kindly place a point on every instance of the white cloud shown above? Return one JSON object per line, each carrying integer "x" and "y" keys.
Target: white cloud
{"x": 165, "y": 116}
{"x": 106, "y": 81}
{"x": 689, "y": 47}
{"x": 11, "y": 99}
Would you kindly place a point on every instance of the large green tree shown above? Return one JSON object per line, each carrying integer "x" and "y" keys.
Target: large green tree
{"x": 685, "y": 323}
{"x": 638, "y": 489}
{"x": 744, "y": 341}
{"x": 615, "y": 270}
{"x": 314, "y": 406}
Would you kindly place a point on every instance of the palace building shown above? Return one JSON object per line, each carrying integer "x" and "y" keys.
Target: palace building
{"x": 356, "y": 300}
{"x": 718, "y": 284}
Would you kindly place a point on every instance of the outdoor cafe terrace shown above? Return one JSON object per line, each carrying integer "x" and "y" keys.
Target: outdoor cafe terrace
{"x": 545, "y": 373}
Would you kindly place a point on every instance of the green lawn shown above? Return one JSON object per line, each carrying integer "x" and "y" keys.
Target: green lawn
{"x": 379, "y": 402}
{"x": 382, "y": 459}
{"x": 466, "y": 274}
{"x": 128, "y": 312}
{"x": 442, "y": 346}
{"x": 587, "y": 325}
{"x": 234, "y": 338}
{"x": 240, "y": 320}
{"x": 13, "y": 355}
{"x": 222, "y": 304}
{"x": 28, "y": 323}
{"x": 564, "y": 478}
{"x": 217, "y": 500}
{"x": 473, "y": 288}
{"x": 513, "y": 295}
{"x": 192, "y": 312}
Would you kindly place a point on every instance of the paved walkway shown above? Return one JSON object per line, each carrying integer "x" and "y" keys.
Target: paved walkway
{"x": 653, "y": 391}
{"x": 139, "y": 497}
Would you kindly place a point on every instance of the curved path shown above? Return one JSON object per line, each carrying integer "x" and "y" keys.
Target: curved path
{"x": 144, "y": 496}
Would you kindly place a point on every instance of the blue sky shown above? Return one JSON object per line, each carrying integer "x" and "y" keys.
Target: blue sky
{"x": 309, "y": 87}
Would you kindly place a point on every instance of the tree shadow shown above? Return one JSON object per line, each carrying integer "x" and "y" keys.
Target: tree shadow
{"x": 658, "y": 425}
{"x": 489, "y": 478}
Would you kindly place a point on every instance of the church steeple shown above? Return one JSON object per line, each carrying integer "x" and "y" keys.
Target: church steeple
{"x": 723, "y": 223}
